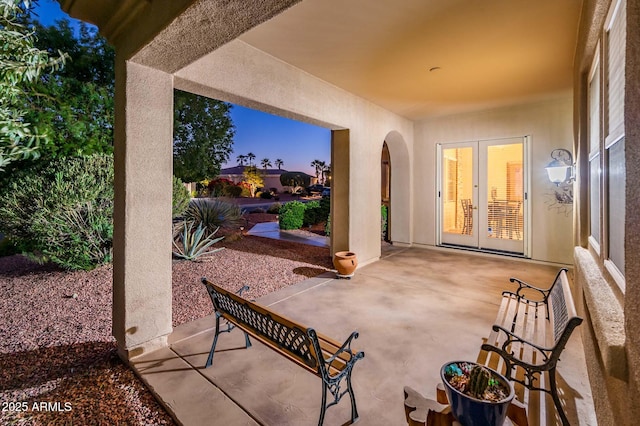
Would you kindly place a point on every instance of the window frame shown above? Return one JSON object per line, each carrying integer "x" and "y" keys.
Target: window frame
{"x": 595, "y": 154}
{"x": 609, "y": 137}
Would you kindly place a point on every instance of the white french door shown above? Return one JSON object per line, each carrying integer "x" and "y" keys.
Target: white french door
{"x": 482, "y": 197}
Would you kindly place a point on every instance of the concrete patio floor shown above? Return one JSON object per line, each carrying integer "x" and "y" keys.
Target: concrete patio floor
{"x": 415, "y": 309}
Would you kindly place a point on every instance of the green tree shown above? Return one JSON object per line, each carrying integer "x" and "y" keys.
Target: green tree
{"x": 296, "y": 180}
{"x": 202, "y": 138}
{"x": 21, "y": 64}
{"x": 279, "y": 163}
{"x": 75, "y": 105}
{"x": 253, "y": 179}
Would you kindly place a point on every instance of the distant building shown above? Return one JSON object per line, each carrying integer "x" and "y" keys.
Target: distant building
{"x": 271, "y": 176}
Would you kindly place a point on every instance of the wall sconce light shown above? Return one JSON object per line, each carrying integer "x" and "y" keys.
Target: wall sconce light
{"x": 560, "y": 170}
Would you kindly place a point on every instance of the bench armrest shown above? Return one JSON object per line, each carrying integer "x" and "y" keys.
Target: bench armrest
{"x": 346, "y": 348}
{"x": 526, "y": 286}
{"x": 514, "y": 338}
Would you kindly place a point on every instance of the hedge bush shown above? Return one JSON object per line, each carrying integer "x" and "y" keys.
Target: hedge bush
{"x": 310, "y": 213}
{"x": 316, "y": 211}
{"x": 61, "y": 211}
{"x": 291, "y": 215}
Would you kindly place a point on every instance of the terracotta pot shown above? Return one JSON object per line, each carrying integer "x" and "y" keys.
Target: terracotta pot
{"x": 345, "y": 262}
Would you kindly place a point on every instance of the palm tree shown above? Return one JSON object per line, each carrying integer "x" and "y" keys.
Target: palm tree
{"x": 279, "y": 163}
{"x": 265, "y": 163}
{"x": 316, "y": 164}
{"x": 321, "y": 166}
{"x": 241, "y": 159}
{"x": 251, "y": 156}
{"x": 326, "y": 173}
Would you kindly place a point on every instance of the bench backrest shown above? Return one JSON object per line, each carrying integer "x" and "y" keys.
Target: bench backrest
{"x": 563, "y": 312}
{"x": 282, "y": 334}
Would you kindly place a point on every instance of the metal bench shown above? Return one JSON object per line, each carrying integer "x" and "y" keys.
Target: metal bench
{"x": 318, "y": 354}
{"x": 531, "y": 330}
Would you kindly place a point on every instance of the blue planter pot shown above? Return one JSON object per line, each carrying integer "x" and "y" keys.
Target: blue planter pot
{"x": 470, "y": 411}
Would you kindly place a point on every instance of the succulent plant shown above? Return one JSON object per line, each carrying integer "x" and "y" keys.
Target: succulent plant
{"x": 479, "y": 380}
{"x": 453, "y": 370}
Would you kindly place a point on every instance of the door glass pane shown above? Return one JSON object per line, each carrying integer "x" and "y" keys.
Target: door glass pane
{"x": 457, "y": 178}
{"x": 505, "y": 182}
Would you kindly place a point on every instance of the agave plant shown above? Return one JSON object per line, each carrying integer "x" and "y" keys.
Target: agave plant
{"x": 214, "y": 214}
{"x": 195, "y": 243}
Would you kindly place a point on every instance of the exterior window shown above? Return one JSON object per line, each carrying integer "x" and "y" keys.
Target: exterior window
{"x": 614, "y": 189}
{"x": 594, "y": 153}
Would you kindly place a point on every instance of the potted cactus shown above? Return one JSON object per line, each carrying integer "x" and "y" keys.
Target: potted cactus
{"x": 478, "y": 395}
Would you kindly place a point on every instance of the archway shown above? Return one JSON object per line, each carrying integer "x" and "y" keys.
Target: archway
{"x": 396, "y": 177}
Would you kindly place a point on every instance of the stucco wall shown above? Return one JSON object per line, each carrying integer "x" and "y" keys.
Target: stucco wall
{"x": 612, "y": 319}
{"x": 550, "y": 126}
{"x": 244, "y": 75}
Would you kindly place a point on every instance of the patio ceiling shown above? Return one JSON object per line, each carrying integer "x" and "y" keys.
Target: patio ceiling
{"x": 420, "y": 58}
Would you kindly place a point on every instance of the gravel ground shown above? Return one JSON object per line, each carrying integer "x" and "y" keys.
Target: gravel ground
{"x": 58, "y": 362}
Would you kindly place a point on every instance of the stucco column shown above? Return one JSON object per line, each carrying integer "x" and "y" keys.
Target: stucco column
{"x": 340, "y": 172}
{"x": 142, "y": 212}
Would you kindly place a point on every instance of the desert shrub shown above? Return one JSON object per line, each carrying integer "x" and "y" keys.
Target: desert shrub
{"x": 274, "y": 208}
{"x": 245, "y": 189}
{"x": 61, "y": 211}
{"x": 76, "y": 237}
{"x": 191, "y": 244}
{"x": 233, "y": 191}
{"x": 7, "y": 248}
{"x": 213, "y": 213}
{"x": 266, "y": 195}
{"x": 202, "y": 189}
{"x": 181, "y": 198}
{"x": 291, "y": 215}
{"x": 218, "y": 187}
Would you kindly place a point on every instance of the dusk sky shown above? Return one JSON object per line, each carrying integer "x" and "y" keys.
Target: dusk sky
{"x": 265, "y": 135}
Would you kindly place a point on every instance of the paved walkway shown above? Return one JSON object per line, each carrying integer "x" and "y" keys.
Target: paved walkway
{"x": 415, "y": 310}
{"x": 272, "y": 230}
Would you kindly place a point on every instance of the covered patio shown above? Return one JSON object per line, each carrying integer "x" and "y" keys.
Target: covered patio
{"x": 558, "y": 75}
{"x": 415, "y": 309}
